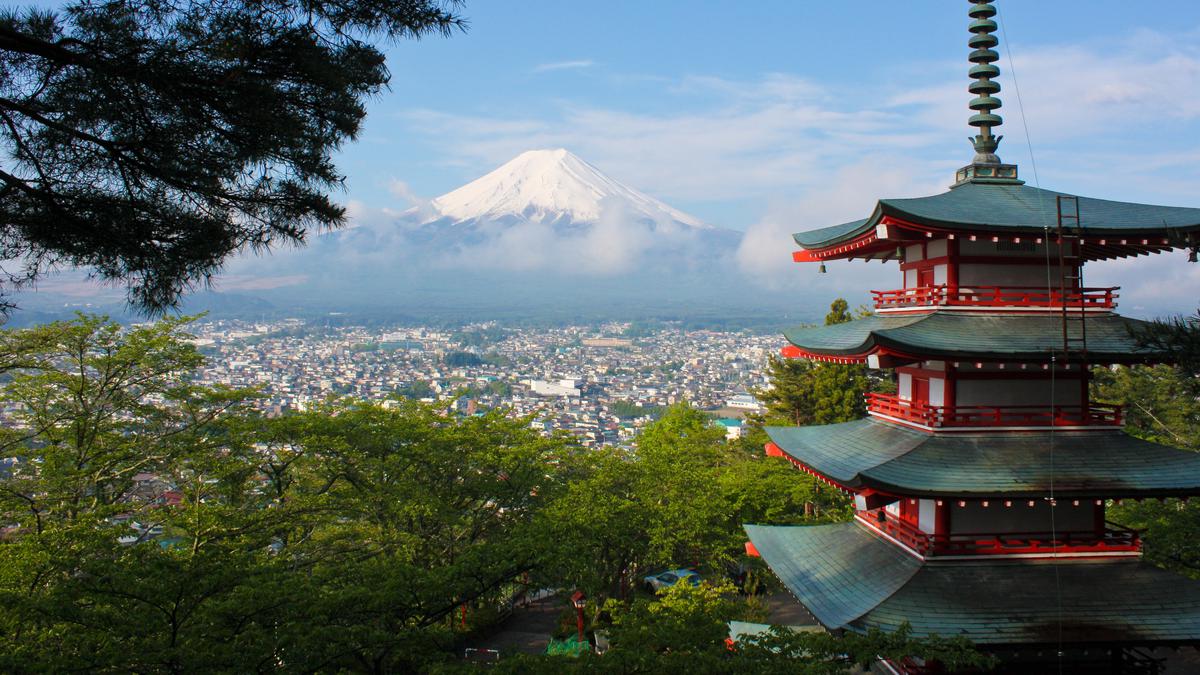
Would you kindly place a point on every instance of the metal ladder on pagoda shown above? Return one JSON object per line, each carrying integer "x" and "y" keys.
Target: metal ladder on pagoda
{"x": 1070, "y": 289}
{"x": 1070, "y": 283}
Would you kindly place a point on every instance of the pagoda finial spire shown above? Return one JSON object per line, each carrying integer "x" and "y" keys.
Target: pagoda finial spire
{"x": 985, "y": 167}
{"x": 985, "y": 86}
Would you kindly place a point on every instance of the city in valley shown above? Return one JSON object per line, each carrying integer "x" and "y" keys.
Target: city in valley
{"x": 597, "y": 383}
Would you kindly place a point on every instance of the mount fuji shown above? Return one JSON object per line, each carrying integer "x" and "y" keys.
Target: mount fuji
{"x": 551, "y": 212}
{"x": 552, "y": 186}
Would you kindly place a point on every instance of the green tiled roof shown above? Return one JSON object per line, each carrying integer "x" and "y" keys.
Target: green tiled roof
{"x": 846, "y": 580}
{"x": 844, "y": 451}
{"x": 872, "y": 453}
{"x": 851, "y": 579}
{"x": 834, "y": 233}
{"x": 953, "y": 335}
{"x": 1017, "y": 208}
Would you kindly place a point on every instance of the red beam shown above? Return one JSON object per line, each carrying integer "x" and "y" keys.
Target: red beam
{"x": 794, "y": 352}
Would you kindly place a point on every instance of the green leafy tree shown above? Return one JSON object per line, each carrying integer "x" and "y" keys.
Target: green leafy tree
{"x": 1159, "y": 402}
{"x": 789, "y": 397}
{"x": 803, "y": 393}
{"x": 153, "y": 524}
{"x": 150, "y": 139}
{"x": 426, "y": 516}
{"x": 685, "y": 630}
{"x": 623, "y": 515}
{"x": 99, "y": 574}
{"x": 839, "y": 312}
{"x": 1160, "y": 405}
{"x": 417, "y": 389}
{"x": 679, "y": 456}
{"x": 680, "y": 498}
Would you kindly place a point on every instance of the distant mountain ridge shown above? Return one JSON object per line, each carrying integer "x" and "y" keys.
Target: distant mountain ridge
{"x": 546, "y": 234}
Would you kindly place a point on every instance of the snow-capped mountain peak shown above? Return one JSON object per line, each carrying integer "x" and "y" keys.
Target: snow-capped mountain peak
{"x": 549, "y": 186}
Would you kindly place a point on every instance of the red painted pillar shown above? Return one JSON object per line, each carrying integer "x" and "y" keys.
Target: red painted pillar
{"x": 952, "y": 269}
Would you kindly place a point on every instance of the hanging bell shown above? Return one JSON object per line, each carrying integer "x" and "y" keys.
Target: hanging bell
{"x": 821, "y": 269}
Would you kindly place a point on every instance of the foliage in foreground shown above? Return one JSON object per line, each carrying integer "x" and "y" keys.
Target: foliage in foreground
{"x": 684, "y": 630}
{"x": 803, "y": 392}
{"x": 1160, "y": 405}
{"x": 153, "y": 524}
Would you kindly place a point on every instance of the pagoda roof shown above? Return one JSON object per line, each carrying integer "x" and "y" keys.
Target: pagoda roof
{"x": 893, "y": 459}
{"x": 1009, "y": 209}
{"x": 850, "y": 578}
{"x": 952, "y": 335}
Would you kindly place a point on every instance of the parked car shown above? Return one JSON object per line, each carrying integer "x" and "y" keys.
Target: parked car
{"x": 657, "y": 582}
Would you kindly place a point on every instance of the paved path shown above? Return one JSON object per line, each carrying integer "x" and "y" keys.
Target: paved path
{"x": 528, "y": 630}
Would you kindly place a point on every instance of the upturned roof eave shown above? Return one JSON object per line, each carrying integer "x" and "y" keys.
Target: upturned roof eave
{"x": 878, "y": 344}
{"x": 876, "y": 454}
{"x": 1039, "y": 221}
{"x": 851, "y": 579}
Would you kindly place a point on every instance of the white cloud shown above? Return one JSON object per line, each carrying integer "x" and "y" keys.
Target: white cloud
{"x": 618, "y": 243}
{"x": 738, "y": 152}
{"x": 1074, "y": 91}
{"x": 564, "y": 65}
{"x": 842, "y": 196}
{"x": 245, "y": 282}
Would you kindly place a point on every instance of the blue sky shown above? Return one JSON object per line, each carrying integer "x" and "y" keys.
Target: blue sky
{"x": 609, "y": 80}
{"x": 775, "y": 117}
{"x": 779, "y": 116}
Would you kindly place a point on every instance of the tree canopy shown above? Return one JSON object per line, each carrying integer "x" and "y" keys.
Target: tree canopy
{"x": 1160, "y": 405}
{"x": 147, "y": 140}
{"x": 151, "y": 523}
{"x": 802, "y": 392}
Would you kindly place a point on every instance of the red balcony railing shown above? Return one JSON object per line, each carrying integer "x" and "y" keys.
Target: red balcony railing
{"x": 996, "y": 296}
{"x": 1113, "y": 538}
{"x": 938, "y": 416}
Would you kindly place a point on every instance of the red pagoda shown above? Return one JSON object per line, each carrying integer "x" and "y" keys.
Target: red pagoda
{"x": 981, "y": 486}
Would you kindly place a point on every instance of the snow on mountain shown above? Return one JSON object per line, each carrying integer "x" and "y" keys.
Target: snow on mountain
{"x": 549, "y": 186}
